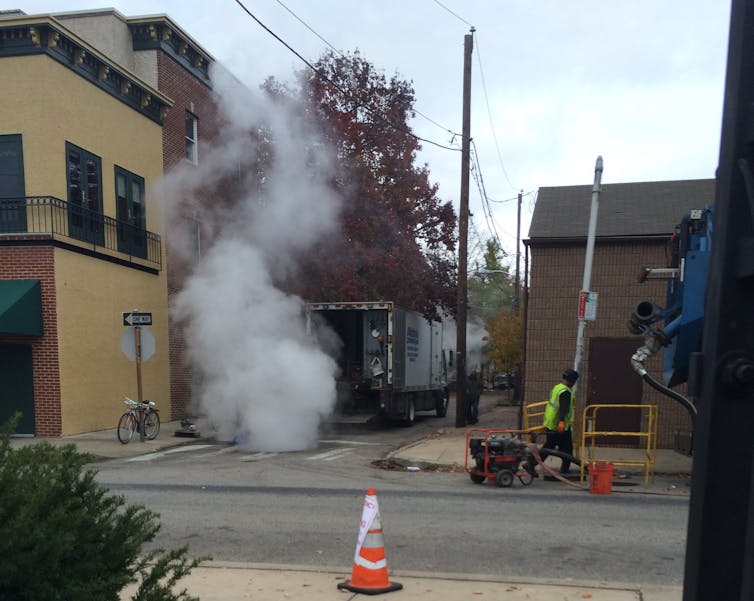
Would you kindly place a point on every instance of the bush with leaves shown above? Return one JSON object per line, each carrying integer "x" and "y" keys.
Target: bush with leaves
{"x": 63, "y": 536}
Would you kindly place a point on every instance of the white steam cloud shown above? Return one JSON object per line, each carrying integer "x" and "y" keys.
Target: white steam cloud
{"x": 261, "y": 380}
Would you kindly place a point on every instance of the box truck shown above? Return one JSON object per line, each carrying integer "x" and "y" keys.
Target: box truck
{"x": 393, "y": 362}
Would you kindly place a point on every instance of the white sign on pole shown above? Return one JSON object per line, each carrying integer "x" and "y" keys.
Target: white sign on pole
{"x": 128, "y": 344}
{"x": 587, "y": 305}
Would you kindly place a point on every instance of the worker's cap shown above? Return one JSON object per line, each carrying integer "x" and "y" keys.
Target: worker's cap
{"x": 571, "y": 375}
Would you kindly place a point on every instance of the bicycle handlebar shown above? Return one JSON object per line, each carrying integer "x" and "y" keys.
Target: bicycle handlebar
{"x": 136, "y": 404}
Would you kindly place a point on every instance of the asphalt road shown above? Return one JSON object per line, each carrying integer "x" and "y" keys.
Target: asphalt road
{"x": 305, "y": 507}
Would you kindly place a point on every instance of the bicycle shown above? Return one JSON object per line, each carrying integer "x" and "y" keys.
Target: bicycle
{"x": 129, "y": 422}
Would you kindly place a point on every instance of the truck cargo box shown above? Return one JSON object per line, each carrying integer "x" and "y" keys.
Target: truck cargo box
{"x": 393, "y": 362}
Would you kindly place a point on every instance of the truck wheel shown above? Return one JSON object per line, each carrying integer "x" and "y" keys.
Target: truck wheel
{"x": 441, "y": 407}
{"x": 410, "y": 413}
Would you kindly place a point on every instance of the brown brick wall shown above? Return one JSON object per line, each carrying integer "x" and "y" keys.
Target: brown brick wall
{"x": 556, "y": 277}
{"x": 38, "y": 263}
{"x": 188, "y": 94}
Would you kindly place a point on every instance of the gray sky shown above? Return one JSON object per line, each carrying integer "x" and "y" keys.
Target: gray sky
{"x": 555, "y": 83}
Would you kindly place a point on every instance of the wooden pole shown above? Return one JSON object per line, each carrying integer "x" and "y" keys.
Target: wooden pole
{"x": 463, "y": 230}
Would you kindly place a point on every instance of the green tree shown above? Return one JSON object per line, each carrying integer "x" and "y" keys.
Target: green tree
{"x": 504, "y": 332}
{"x": 490, "y": 287}
{"x": 62, "y": 536}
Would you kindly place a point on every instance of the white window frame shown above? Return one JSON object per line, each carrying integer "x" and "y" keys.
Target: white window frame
{"x": 192, "y": 141}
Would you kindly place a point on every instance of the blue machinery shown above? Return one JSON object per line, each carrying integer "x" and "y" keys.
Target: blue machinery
{"x": 680, "y": 337}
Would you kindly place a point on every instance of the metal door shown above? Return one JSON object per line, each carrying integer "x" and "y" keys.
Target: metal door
{"x": 612, "y": 381}
{"x": 17, "y": 389}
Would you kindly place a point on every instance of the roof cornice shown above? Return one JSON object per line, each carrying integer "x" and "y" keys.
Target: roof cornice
{"x": 43, "y": 34}
{"x": 158, "y": 32}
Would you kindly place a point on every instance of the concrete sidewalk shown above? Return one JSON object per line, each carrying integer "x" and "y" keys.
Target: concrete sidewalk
{"x": 223, "y": 581}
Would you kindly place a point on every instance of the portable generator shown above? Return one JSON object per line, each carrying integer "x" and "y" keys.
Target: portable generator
{"x": 499, "y": 456}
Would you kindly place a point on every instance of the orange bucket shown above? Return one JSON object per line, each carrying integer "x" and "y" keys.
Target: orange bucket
{"x": 600, "y": 477}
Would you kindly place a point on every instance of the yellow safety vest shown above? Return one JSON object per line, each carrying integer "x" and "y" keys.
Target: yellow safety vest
{"x": 553, "y": 408}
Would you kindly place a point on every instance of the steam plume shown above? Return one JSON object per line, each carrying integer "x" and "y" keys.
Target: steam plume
{"x": 260, "y": 375}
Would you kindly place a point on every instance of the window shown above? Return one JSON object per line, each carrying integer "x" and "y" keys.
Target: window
{"x": 192, "y": 131}
{"x": 195, "y": 236}
{"x": 12, "y": 189}
{"x": 84, "y": 177}
{"x": 131, "y": 213}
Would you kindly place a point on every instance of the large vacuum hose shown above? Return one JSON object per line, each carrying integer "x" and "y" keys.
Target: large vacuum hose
{"x": 652, "y": 344}
{"x": 690, "y": 407}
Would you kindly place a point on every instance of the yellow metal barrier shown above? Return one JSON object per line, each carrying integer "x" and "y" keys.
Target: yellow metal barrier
{"x": 534, "y": 417}
{"x": 590, "y": 433}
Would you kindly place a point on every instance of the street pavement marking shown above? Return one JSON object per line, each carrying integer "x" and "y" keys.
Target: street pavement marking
{"x": 258, "y": 456}
{"x": 191, "y": 447}
{"x": 356, "y": 442}
{"x": 329, "y": 455}
{"x": 151, "y": 456}
{"x": 220, "y": 452}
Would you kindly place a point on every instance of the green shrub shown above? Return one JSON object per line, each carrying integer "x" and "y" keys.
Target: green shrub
{"x": 63, "y": 537}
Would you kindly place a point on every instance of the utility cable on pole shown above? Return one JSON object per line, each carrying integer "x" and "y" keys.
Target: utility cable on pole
{"x": 463, "y": 231}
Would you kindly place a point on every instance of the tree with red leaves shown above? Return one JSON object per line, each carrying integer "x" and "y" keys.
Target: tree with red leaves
{"x": 398, "y": 237}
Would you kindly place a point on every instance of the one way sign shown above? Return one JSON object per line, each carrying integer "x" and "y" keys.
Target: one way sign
{"x": 135, "y": 318}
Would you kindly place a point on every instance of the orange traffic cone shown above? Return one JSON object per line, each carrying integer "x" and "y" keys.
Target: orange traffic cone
{"x": 369, "y": 575}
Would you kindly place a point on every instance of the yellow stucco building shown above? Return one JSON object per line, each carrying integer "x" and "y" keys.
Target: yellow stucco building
{"x": 81, "y": 230}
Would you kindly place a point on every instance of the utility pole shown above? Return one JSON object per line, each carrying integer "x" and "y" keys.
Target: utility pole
{"x": 518, "y": 378}
{"x": 516, "y": 300}
{"x": 463, "y": 234}
{"x": 589, "y": 256}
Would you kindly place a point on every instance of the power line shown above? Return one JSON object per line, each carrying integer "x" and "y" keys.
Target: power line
{"x": 334, "y": 49}
{"x": 300, "y": 20}
{"x": 479, "y": 179}
{"x": 489, "y": 113}
{"x": 512, "y": 198}
{"x": 338, "y": 87}
{"x": 440, "y": 4}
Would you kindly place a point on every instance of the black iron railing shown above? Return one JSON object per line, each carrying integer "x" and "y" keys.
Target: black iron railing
{"x": 60, "y": 219}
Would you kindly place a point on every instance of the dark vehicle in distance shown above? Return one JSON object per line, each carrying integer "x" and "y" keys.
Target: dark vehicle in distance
{"x": 502, "y": 381}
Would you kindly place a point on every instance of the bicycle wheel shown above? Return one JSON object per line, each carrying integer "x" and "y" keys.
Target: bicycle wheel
{"x": 151, "y": 424}
{"x": 126, "y": 427}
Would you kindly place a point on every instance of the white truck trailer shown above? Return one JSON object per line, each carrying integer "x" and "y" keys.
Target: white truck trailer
{"x": 393, "y": 362}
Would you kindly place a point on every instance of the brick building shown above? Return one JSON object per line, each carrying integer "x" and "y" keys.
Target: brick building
{"x": 634, "y": 225}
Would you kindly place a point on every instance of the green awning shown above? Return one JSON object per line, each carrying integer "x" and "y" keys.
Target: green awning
{"x": 21, "y": 307}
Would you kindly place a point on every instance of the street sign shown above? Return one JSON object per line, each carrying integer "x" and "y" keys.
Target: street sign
{"x": 135, "y": 318}
{"x": 128, "y": 344}
{"x": 587, "y": 305}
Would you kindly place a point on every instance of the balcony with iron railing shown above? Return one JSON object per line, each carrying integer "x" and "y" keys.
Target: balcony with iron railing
{"x": 39, "y": 218}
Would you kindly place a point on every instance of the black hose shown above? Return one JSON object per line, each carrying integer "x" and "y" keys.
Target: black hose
{"x": 673, "y": 395}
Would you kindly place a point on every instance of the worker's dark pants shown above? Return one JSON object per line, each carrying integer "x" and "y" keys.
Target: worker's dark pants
{"x": 564, "y": 443}
{"x": 473, "y": 412}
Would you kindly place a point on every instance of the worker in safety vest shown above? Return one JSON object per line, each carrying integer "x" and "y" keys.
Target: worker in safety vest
{"x": 559, "y": 417}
